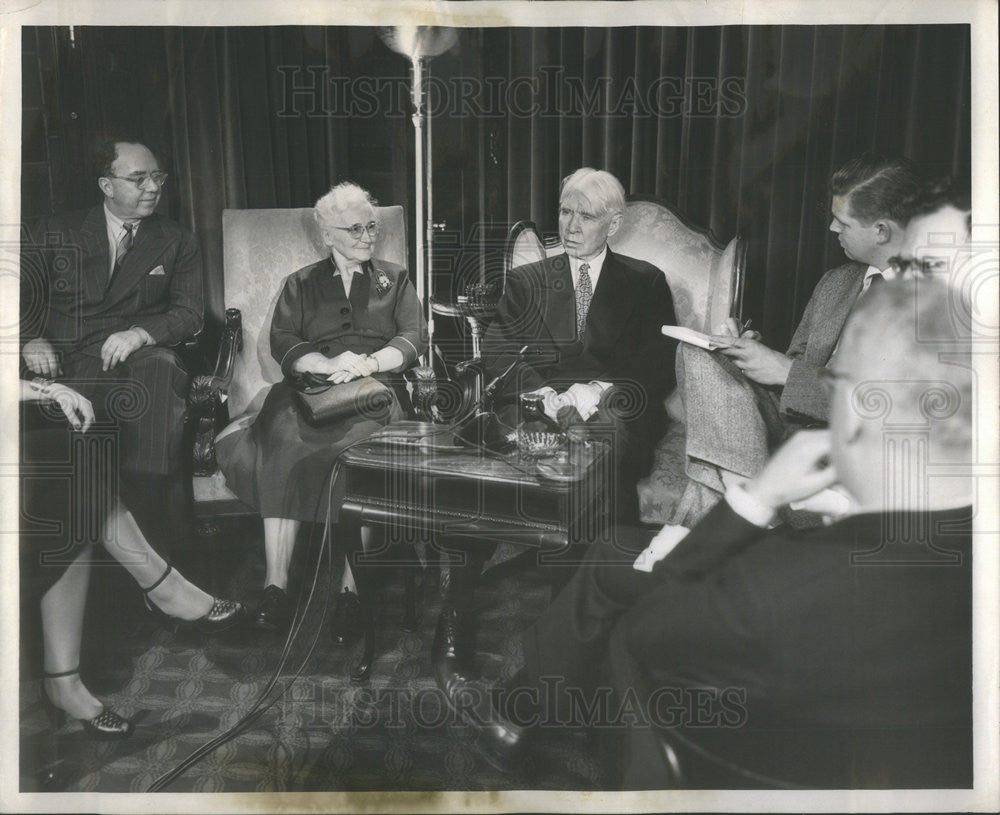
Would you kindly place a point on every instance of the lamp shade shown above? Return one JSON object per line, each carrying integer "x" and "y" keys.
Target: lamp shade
{"x": 418, "y": 41}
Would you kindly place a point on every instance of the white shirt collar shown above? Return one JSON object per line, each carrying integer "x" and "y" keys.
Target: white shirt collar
{"x": 116, "y": 228}
{"x": 888, "y": 274}
{"x": 346, "y": 275}
{"x": 595, "y": 264}
{"x": 116, "y": 225}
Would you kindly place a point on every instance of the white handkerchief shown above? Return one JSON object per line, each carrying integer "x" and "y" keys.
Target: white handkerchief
{"x": 660, "y": 546}
{"x": 158, "y": 270}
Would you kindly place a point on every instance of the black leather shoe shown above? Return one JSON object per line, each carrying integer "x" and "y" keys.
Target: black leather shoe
{"x": 346, "y": 626}
{"x": 500, "y": 741}
{"x": 449, "y": 653}
{"x": 274, "y": 610}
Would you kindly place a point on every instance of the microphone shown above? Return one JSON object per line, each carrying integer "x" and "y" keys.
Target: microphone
{"x": 481, "y": 428}
{"x": 490, "y": 390}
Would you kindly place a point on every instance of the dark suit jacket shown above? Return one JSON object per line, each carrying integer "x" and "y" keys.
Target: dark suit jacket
{"x": 815, "y": 631}
{"x": 755, "y": 641}
{"x": 67, "y": 298}
{"x": 622, "y": 343}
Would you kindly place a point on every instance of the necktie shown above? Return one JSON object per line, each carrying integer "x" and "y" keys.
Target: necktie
{"x": 874, "y": 282}
{"x": 124, "y": 245}
{"x": 584, "y": 292}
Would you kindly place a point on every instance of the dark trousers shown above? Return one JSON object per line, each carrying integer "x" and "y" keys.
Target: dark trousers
{"x": 140, "y": 407}
{"x": 571, "y": 637}
{"x": 577, "y": 659}
{"x": 141, "y": 401}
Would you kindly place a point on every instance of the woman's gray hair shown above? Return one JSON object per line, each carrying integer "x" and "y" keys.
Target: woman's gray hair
{"x": 599, "y": 188}
{"x": 339, "y": 198}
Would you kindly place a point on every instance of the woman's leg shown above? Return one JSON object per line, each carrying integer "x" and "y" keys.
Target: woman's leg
{"x": 176, "y": 595}
{"x": 279, "y": 543}
{"x": 62, "y": 629}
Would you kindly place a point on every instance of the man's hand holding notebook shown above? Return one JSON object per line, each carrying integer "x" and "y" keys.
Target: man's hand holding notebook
{"x": 729, "y": 332}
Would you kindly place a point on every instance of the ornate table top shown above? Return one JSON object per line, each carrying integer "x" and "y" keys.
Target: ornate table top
{"x": 433, "y": 450}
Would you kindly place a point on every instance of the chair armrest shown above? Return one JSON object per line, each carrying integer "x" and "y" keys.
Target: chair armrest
{"x": 205, "y": 397}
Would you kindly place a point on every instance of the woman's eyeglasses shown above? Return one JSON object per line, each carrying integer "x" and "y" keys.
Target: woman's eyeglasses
{"x": 357, "y": 230}
{"x": 141, "y": 180}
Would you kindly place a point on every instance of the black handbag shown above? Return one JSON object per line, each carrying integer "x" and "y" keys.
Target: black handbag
{"x": 321, "y": 401}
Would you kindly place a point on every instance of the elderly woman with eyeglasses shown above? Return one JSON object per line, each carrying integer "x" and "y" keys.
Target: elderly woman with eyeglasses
{"x": 349, "y": 315}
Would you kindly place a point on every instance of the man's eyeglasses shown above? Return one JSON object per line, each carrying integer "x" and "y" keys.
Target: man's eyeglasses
{"x": 922, "y": 266}
{"x": 140, "y": 180}
{"x": 357, "y": 230}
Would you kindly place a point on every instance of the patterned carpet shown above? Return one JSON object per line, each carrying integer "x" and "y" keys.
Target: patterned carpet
{"x": 391, "y": 732}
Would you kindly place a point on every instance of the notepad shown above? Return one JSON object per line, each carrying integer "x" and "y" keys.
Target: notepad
{"x": 692, "y": 337}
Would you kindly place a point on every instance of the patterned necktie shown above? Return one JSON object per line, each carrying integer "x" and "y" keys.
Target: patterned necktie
{"x": 124, "y": 245}
{"x": 584, "y": 292}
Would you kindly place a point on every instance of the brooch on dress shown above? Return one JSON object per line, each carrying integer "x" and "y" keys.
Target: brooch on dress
{"x": 382, "y": 283}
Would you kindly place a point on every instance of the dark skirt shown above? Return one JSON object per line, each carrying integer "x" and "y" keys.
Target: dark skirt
{"x": 281, "y": 465}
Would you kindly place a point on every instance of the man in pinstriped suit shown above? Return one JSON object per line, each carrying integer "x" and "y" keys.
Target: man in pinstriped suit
{"x": 105, "y": 292}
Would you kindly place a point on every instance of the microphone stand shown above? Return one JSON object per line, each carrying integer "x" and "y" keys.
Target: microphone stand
{"x": 482, "y": 428}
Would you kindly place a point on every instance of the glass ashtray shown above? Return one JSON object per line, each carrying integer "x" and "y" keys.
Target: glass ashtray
{"x": 539, "y": 443}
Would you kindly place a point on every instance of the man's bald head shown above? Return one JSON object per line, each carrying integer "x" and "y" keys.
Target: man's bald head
{"x": 903, "y": 363}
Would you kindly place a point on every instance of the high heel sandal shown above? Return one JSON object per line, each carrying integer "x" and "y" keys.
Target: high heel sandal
{"x": 222, "y": 615}
{"x": 106, "y": 725}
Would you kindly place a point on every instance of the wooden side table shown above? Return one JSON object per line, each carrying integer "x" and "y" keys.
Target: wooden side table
{"x": 417, "y": 481}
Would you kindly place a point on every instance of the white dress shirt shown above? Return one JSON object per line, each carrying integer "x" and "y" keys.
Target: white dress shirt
{"x": 871, "y": 271}
{"x": 595, "y": 263}
{"x": 116, "y": 230}
{"x": 347, "y": 277}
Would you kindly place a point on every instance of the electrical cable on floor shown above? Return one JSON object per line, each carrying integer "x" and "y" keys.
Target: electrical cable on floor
{"x": 259, "y": 708}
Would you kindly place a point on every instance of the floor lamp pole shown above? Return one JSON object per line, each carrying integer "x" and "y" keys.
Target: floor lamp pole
{"x": 429, "y": 227}
{"x": 418, "y": 189}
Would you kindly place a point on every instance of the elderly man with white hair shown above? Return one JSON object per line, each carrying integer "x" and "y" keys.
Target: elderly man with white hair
{"x": 585, "y": 324}
{"x": 591, "y": 319}
{"x": 347, "y": 316}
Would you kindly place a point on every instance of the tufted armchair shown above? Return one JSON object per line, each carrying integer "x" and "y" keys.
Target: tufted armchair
{"x": 261, "y": 247}
{"x": 706, "y": 281}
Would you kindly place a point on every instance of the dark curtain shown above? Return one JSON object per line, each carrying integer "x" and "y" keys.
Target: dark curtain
{"x": 739, "y": 127}
{"x": 745, "y": 135}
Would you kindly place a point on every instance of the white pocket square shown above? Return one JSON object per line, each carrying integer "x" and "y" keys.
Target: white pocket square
{"x": 157, "y": 270}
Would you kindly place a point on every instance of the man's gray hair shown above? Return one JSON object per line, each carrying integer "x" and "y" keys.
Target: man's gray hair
{"x": 599, "y": 188}
{"x": 339, "y": 198}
